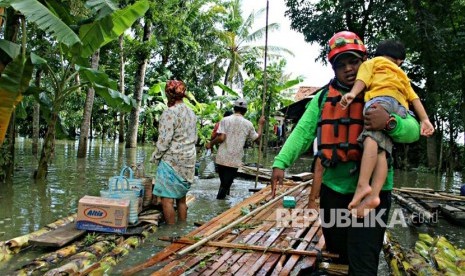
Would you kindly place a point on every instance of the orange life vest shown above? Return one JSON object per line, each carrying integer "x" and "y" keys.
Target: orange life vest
{"x": 338, "y": 129}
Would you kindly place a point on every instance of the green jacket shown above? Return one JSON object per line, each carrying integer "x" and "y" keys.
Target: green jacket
{"x": 337, "y": 178}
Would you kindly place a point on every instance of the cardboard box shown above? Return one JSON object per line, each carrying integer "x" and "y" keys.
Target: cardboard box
{"x": 103, "y": 214}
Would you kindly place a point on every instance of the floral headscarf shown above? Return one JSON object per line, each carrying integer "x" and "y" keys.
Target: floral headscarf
{"x": 175, "y": 90}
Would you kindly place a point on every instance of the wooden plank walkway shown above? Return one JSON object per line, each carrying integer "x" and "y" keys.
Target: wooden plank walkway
{"x": 58, "y": 237}
{"x": 258, "y": 245}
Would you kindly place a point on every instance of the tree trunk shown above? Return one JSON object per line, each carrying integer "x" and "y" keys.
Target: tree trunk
{"x": 131, "y": 139}
{"x": 36, "y": 118}
{"x": 144, "y": 132}
{"x": 405, "y": 162}
{"x": 431, "y": 151}
{"x": 439, "y": 133}
{"x": 462, "y": 111}
{"x": 121, "y": 87}
{"x": 35, "y": 129}
{"x": 48, "y": 148}
{"x": 85, "y": 125}
{"x": 452, "y": 152}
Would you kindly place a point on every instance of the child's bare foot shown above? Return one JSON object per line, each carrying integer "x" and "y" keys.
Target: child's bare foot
{"x": 360, "y": 193}
{"x": 368, "y": 203}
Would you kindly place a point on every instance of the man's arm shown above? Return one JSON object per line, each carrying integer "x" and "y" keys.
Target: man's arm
{"x": 406, "y": 131}
{"x": 299, "y": 141}
{"x": 220, "y": 137}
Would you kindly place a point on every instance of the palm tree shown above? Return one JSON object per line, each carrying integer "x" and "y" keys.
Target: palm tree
{"x": 238, "y": 41}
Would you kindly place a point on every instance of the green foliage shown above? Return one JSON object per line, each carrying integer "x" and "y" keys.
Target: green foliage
{"x": 207, "y": 115}
{"x": 10, "y": 48}
{"x": 15, "y": 78}
{"x": 237, "y": 41}
{"x": 5, "y": 159}
{"x": 90, "y": 238}
{"x": 110, "y": 27}
{"x": 276, "y": 83}
{"x": 101, "y": 8}
{"x": 37, "y": 13}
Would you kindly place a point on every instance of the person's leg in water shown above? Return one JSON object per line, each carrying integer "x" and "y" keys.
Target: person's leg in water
{"x": 369, "y": 159}
{"x": 168, "y": 210}
{"x": 371, "y": 201}
{"x": 182, "y": 208}
{"x": 227, "y": 175}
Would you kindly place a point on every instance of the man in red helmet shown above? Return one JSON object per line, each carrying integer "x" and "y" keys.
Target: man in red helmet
{"x": 357, "y": 243}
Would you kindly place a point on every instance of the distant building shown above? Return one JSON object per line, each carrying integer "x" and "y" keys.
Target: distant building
{"x": 305, "y": 92}
{"x": 294, "y": 111}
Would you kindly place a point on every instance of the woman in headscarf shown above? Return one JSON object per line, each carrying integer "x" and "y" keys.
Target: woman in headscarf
{"x": 175, "y": 151}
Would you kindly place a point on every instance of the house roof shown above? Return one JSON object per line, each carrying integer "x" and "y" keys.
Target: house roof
{"x": 305, "y": 91}
{"x": 295, "y": 110}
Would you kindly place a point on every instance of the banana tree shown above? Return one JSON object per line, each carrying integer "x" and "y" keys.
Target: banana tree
{"x": 11, "y": 88}
{"x": 73, "y": 51}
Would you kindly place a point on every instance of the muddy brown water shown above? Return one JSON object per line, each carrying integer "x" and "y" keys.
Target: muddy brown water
{"x": 27, "y": 205}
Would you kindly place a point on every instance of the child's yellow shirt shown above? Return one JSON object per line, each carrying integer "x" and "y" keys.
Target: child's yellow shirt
{"x": 383, "y": 77}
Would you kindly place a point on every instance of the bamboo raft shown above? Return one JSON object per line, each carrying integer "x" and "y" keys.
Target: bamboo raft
{"x": 429, "y": 204}
{"x": 248, "y": 239}
{"x": 250, "y": 172}
{"x": 77, "y": 253}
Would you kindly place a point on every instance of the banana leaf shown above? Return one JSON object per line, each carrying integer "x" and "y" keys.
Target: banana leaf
{"x": 13, "y": 82}
{"x": 101, "y": 32}
{"x": 101, "y": 8}
{"x": 45, "y": 20}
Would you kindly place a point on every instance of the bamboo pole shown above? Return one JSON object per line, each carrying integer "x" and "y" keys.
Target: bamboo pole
{"x": 417, "y": 189}
{"x": 459, "y": 197}
{"x": 263, "y": 94}
{"x": 414, "y": 207}
{"x": 435, "y": 195}
{"x": 236, "y": 222}
{"x": 265, "y": 249}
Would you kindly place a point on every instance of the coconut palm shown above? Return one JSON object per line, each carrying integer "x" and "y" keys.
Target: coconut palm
{"x": 238, "y": 40}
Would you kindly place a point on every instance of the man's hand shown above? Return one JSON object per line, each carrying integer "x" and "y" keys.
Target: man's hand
{"x": 312, "y": 204}
{"x": 376, "y": 117}
{"x": 208, "y": 145}
{"x": 262, "y": 120}
{"x": 277, "y": 177}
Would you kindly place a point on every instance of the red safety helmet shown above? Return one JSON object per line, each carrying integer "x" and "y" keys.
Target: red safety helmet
{"x": 345, "y": 41}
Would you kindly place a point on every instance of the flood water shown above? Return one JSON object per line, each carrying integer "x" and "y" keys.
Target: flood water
{"x": 27, "y": 205}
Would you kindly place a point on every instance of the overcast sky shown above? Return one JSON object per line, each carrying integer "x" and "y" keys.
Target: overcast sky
{"x": 303, "y": 63}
